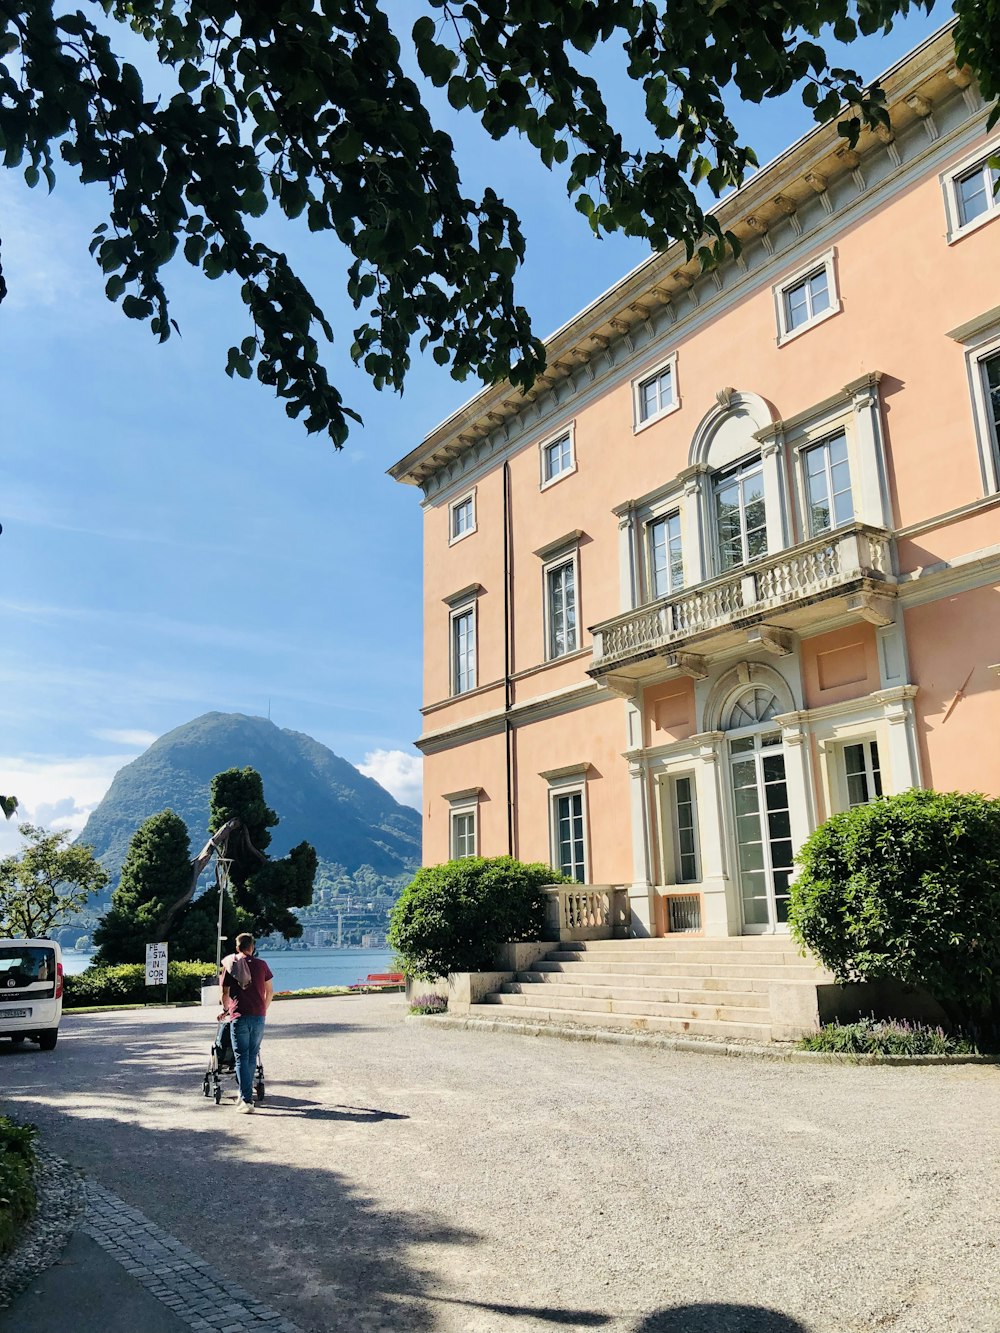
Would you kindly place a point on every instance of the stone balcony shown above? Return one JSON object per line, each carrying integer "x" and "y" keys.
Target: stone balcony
{"x": 840, "y": 575}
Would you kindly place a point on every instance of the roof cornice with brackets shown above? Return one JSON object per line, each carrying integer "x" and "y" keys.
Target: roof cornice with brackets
{"x": 925, "y": 78}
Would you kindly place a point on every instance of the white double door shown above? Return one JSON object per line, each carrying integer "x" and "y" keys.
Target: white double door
{"x": 763, "y": 830}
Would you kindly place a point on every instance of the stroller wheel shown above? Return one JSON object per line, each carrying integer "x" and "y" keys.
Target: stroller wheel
{"x": 206, "y": 1086}
{"x": 259, "y": 1089}
{"x": 218, "y": 1096}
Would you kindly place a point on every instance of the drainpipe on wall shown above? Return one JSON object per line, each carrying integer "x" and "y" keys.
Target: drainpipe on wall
{"x": 507, "y": 689}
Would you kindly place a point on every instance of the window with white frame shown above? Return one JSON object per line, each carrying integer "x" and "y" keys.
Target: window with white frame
{"x": 463, "y": 832}
{"x": 741, "y": 522}
{"x": 561, "y": 607}
{"x": 806, "y": 298}
{"x": 863, "y": 773}
{"x": 827, "y": 476}
{"x": 568, "y": 834}
{"x": 463, "y": 649}
{"x": 990, "y": 370}
{"x": 654, "y": 395}
{"x": 685, "y": 823}
{"x": 970, "y": 192}
{"x": 666, "y": 560}
{"x": 463, "y": 517}
{"x": 558, "y": 458}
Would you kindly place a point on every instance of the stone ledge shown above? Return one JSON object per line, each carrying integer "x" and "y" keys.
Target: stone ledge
{"x": 695, "y": 1045}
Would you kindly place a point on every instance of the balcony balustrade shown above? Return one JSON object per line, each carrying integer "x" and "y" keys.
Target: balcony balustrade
{"x": 787, "y": 590}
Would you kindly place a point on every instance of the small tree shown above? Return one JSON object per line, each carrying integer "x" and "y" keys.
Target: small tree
{"x": 49, "y": 881}
{"x": 908, "y": 889}
{"x": 454, "y": 917}
{"x": 156, "y": 872}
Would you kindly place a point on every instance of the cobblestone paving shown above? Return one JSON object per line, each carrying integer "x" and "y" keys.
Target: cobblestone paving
{"x": 177, "y": 1276}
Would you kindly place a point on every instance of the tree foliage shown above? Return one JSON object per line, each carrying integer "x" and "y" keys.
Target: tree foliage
{"x": 264, "y": 891}
{"x": 907, "y": 889}
{"x": 155, "y": 874}
{"x": 49, "y": 881}
{"x": 454, "y": 917}
{"x": 312, "y": 108}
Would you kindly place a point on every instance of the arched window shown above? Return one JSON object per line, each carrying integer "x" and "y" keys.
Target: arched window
{"x": 754, "y": 705}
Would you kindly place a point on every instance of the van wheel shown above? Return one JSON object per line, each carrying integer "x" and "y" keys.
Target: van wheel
{"x": 47, "y": 1039}
{"x": 17, "y": 1041}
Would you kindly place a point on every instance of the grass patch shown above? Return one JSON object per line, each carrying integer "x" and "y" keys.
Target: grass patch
{"x": 318, "y": 992}
{"x": 119, "y": 1008}
{"x": 870, "y": 1036}
{"x": 429, "y": 1004}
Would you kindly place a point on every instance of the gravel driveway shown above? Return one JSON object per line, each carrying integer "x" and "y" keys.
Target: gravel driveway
{"x": 402, "y": 1178}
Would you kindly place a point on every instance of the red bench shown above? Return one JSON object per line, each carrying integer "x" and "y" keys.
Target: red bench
{"x": 380, "y": 981}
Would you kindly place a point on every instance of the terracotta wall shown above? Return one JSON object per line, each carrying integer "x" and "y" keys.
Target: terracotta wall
{"x": 839, "y": 666}
{"x": 954, "y": 649}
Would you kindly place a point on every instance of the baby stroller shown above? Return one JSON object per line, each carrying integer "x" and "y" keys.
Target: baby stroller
{"x": 222, "y": 1064}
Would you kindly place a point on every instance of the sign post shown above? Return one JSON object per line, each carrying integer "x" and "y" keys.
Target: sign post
{"x": 156, "y": 968}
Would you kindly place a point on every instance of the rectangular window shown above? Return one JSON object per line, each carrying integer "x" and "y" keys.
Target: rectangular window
{"x": 557, "y": 459}
{"x": 560, "y": 593}
{"x": 806, "y": 298}
{"x": 864, "y": 777}
{"x": 463, "y": 518}
{"x": 567, "y": 839}
{"x": 463, "y": 650}
{"x": 991, "y": 383}
{"x": 739, "y": 514}
{"x": 685, "y": 832}
{"x": 666, "y": 564}
{"x": 463, "y": 833}
{"x": 974, "y": 195}
{"x": 828, "y": 484}
{"x": 654, "y": 393}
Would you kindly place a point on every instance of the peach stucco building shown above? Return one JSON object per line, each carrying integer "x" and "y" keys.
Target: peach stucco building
{"x": 733, "y": 563}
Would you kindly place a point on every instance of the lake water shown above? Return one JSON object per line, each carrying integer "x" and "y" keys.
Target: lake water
{"x": 296, "y": 969}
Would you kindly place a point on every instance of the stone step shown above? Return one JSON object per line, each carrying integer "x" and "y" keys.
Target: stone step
{"x": 570, "y": 954}
{"x": 668, "y": 979}
{"x": 717, "y": 1013}
{"x": 637, "y": 1022}
{"x": 643, "y": 995}
{"x": 668, "y": 968}
{"x": 725, "y": 943}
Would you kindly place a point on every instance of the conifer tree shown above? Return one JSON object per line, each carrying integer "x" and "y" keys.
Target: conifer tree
{"x": 155, "y": 874}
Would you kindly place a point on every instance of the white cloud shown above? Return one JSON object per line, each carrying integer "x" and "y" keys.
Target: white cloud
{"x": 54, "y": 791}
{"x": 125, "y": 736}
{"x": 401, "y": 774}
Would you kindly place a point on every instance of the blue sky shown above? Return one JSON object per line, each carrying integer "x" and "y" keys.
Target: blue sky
{"x": 173, "y": 544}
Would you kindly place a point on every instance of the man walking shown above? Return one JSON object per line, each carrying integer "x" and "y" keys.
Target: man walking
{"x": 246, "y": 994}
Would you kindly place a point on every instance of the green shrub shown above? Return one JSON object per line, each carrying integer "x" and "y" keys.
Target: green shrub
{"x": 454, "y": 917}
{"x": 871, "y": 1037}
{"x": 126, "y": 984}
{"x": 17, "y": 1186}
{"x": 908, "y": 889}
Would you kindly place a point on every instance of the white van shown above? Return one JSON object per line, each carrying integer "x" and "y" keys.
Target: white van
{"x": 31, "y": 991}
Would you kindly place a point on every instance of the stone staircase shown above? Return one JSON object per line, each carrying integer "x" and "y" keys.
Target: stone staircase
{"x": 684, "y": 985}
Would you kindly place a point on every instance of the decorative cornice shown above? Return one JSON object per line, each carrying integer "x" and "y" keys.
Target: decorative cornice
{"x": 774, "y": 195}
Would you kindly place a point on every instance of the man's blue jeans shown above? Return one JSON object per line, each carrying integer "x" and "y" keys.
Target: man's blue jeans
{"x": 248, "y": 1033}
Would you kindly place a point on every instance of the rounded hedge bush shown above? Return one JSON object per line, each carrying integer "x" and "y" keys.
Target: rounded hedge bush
{"x": 454, "y": 917}
{"x": 908, "y": 889}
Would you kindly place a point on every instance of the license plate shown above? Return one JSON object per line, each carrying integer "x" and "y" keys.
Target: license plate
{"x": 15, "y": 1013}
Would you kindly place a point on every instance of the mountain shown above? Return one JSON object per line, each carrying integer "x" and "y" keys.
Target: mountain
{"x": 319, "y": 797}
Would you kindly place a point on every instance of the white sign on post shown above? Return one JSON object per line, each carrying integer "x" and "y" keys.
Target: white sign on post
{"x": 156, "y": 964}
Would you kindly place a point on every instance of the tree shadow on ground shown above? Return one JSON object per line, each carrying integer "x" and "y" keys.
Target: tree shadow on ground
{"x": 122, "y": 1101}
{"x": 715, "y": 1318}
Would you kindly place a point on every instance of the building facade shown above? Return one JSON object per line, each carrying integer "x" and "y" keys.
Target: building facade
{"x": 733, "y": 564}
